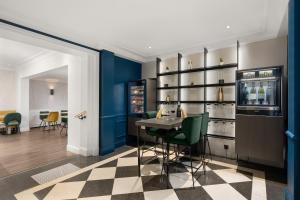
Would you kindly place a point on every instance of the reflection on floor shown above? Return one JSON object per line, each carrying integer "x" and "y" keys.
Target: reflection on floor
{"x": 21, "y": 152}
{"x": 116, "y": 178}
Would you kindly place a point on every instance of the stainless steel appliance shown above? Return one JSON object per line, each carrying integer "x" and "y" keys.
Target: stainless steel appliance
{"x": 259, "y": 91}
{"x": 259, "y": 116}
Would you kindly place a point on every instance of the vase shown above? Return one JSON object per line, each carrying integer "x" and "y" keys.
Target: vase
{"x": 220, "y": 96}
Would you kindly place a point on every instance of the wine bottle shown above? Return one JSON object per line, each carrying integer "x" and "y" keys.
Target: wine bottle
{"x": 252, "y": 96}
{"x": 178, "y": 112}
{"x": 261, "y": 94}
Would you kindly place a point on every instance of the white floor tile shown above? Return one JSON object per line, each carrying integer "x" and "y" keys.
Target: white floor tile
{"x": 102, "y": 173}
{"x": 223, "y": 191}
{"x": 231, "y": 175}
{"x": 151, "y": 169}
{"x": 131, "y": 161}
{"x": 182, "y": 180}
{"x": 161, "y": 195}
{"x": 55, "y": 173}
{"x": 127, "y": 185}
{"x": 70, "y": 190}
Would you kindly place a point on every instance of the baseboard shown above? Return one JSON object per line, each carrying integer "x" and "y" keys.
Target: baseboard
{"x": 76, "y": 150}
{"x": 24, "y": 129}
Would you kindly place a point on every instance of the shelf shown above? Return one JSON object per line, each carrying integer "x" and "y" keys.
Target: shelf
{"x": 221, "y": 119}
{"x": 207, "y": 85}
{"x": 192, "y": 70}
{"x": 221, "y": 136}
{"x": 167, "y": 73}
{"x": 220, "y": 85}
{"x": 165, "y": 102}
{"x": 217, "y": 102}
{"x": 167, "y": 88}
{"x": 225, "y": 66}
{"x": 191, "y": 86}
{"x": 193, "y": 102}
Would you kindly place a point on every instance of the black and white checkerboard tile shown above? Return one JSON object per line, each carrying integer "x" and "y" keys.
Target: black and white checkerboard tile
{"x": 117, "y": 178}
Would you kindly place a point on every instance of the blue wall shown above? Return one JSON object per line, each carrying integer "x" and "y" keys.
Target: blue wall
{"x": 293, "y": 133}
{"x": 115, "y": 73}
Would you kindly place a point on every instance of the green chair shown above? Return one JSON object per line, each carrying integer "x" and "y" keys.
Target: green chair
{"x": 64, "y": 121}
{"x": 43, "y": 116}
{"x": 204, "y": 129}
{"x": 188, "y": 135}
{"x": 13, "y": 120}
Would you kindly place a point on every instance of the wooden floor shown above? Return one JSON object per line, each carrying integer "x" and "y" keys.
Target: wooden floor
{"x": 22, "y": 152}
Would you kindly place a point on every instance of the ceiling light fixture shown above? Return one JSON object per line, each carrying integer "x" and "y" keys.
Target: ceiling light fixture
{"x": 149, "y": 47}
{"x": 228, "y": 27}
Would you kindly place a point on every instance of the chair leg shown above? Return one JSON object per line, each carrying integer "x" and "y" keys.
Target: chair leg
{"x": 62, "y": 128}
{"x": 167, "y": 162}
{"x": 191, "y": 160}
{"x": 206, "y": 138}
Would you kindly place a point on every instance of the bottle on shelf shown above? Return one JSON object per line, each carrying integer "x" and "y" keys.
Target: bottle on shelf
{"x": 269, "y": 93}
{"x": 220, "y": 96}
{"x": 245, "y": 94}
{"x": 252, "y": 95}
{"x": 178, "y": 111}
{"x": 190, "y": 64}
{"x": 261, "y": 94}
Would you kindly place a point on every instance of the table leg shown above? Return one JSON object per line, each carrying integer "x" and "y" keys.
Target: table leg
{"x": 138, "y": 147}
{"x": 167, "y": 163}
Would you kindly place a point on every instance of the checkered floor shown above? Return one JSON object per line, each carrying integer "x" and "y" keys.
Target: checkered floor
{"x": 118, "y": 179}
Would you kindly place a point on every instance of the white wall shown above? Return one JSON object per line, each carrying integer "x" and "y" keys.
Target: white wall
{"x": 41, "y": 100}
{"x": 40, "y": 97}
{"x": 8, "y": 90}
{"x": 251, "y": 55}
{"x": 83, "y": 136}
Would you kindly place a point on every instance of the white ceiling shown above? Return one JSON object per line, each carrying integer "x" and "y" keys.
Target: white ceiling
{"x": 54, "y": 76}
{"x": 14, "y": 53}
{"x": 168, "y": 26}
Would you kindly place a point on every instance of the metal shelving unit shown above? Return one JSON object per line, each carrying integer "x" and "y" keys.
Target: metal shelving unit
{"x": 204, "y": 69}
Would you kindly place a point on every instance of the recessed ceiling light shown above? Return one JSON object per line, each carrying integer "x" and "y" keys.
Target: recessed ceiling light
{"x": 228, "y": 27}
{"x": 149, "y": 47}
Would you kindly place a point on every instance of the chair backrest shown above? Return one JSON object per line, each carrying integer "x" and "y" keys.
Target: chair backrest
{"x": 53, "y": 116}
{"x": 191, "y": 127}
{"x": 64, "y": 113}
{"x": 150, "y": 114}
{"x": 205, "y": 120}
{"x": 44, "y": 114}
{"x": 12, "y": 117}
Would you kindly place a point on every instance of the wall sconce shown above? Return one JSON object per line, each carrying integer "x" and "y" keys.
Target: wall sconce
{"x": 51, "y": 91}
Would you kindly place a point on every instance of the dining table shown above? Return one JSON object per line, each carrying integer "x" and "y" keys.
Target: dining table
{"x": 165, "y": 123}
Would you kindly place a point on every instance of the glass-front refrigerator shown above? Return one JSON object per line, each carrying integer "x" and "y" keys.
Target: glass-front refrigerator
{"x": 259, "y": 91}
{"x": 137, "y": 97}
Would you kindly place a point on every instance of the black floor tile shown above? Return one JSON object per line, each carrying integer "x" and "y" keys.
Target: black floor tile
{"x": 192, "y": 194}
{"x": 158, "y": 182}
{"x": 127, "y": 171}
{"x": 216, "y": 167}
{"x": 131, "y": 196}
{"x": 97, "y": 188}
{"x": 210, "y": 178}
{"x": 177, "y": 168}
{"x": 43, "y": 193}
{"x": 245, "y": 188}
{"x": 81, "y": 177}
{"x": 109, "y": 164}
{"x": 150, "y": 160}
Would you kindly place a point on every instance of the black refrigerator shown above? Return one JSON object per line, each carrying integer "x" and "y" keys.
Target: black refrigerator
{"x": 259, "y": 116}
{"x": 141, "y": 98}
